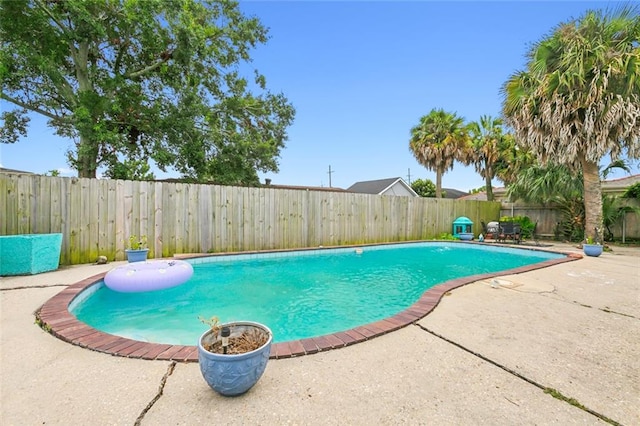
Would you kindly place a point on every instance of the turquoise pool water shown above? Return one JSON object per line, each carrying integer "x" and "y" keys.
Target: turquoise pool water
{"x": 297, "y": 294}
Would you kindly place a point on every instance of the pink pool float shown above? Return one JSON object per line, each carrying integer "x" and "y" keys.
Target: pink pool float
{"x": 148, "y": 276}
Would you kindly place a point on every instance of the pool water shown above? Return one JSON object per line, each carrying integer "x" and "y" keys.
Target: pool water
{"x": 296, "y": 294}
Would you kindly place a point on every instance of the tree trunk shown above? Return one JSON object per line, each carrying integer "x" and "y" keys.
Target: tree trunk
{"x": 487, "y": 183}
{"x": 87, "y": 157}
{"x": 88, "y": 147}
{"x": 592, "y": 200}
{"x": 438, "y": 183}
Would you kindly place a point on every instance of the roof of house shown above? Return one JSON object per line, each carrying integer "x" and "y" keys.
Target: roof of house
{"x": 453, "y": 193}
{"x": 621, "y": 183}
{"x": 478, "y": 196}
{"x": 498, "y": 193}
{"x": 14, "y": 171}
{"x": 378, "y": 186}
{"x": 306, "y": 188}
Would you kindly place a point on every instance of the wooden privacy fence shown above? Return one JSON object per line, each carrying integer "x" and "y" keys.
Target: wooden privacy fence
{"x": 627, "y": 227}
{"x": 97, "y": 216}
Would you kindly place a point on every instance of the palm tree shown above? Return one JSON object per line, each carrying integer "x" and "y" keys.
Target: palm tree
{"x": 579, "y": 99}
{"x": 513, "y": 160}
{"x": 487, "y": 143}
{"x": 437, "y": 141}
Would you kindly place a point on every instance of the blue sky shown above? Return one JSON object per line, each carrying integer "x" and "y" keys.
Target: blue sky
{"x": 361, "y": 74}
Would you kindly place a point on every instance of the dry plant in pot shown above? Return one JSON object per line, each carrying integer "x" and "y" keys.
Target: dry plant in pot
{"x": 591, "y": 247}
{"x": 234, "y": 355}
{"x": 137, "y": 249}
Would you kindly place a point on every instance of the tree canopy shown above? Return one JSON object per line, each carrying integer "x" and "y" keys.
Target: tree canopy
{"x": 130, "y": 81}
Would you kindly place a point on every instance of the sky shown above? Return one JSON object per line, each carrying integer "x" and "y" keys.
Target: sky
{"x": 361, "y": 74}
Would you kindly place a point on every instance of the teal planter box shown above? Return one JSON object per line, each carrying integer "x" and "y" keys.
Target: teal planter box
{"x": 461, "y": 226}
{"x": 29, "y": 254}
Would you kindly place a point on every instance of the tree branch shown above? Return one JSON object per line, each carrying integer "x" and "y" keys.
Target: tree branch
{"x": 29, "y": 107}
{"x": 52, "y": 16}
{"x": 164, "y": 59}
{"x": 66, "y": 91}
{"x": 121, "y": 51}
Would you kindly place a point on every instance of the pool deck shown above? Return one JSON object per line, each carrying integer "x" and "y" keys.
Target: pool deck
{"x": 484, "y": 354}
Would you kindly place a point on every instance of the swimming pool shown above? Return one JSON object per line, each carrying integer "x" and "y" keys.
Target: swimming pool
{"x": 299, "y": 294}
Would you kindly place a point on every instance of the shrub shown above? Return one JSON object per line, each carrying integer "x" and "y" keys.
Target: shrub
{"x": 526, "y": 225}
{"x": 446, "y": 236}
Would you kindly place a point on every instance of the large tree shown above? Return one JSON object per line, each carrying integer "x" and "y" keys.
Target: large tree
{"x": 579, "y": 99}
{"x": 437, "y": 141}
{"x": 488, "y": 141}
{"x": 140, "y": 79}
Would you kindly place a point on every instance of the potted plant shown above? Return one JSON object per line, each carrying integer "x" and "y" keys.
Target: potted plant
{"x": 137, "y": 249}
{"x": 592, "y": 248}
{"x": 233, "y": 356}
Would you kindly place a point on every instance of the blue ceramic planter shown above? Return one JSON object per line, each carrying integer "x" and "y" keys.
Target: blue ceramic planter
{"x": 465, "y": 236}
{"x": 137, "y": 255}
{"x": 232, "y": 375}
{"x": 594, "y": 250}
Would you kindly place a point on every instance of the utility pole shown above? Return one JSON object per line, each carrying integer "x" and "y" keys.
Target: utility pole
{"x": 409, "y": 176}
{"x": 330, "y": 171}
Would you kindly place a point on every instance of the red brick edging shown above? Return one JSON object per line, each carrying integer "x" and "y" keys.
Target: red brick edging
{"x": 54, "y": 317}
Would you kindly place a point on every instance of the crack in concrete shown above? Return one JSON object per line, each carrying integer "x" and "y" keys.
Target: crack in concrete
{"x": 518, "y": 375}
{"x": 27, "y": 287}
{"x": 561, "y": 298}
{"x": 609, "y": 311}
{"x": 540, "y": 292}
{"x": 155, "y": 399}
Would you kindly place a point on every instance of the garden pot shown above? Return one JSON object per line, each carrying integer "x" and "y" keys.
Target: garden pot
{"x": 139, "y": 255}
{"x": 594, "y": 250}
{"x": 234, "y": 374}
{"x": 465, "y": 236}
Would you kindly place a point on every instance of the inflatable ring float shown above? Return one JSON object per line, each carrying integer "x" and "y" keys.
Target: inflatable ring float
{"x": 152, "y": 275}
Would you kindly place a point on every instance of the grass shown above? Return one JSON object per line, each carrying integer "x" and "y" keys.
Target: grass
{"x": 557, "y": 395}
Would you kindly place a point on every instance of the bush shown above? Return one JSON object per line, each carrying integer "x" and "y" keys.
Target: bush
{"x": 526, "y": 225}
{"x": 446, "y": 236}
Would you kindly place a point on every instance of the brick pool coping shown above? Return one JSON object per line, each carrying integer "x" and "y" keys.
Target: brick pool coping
{"x": 55, "y": 318}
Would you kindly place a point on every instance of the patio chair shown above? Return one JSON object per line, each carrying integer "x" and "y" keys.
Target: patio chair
{"x": 509, "y": 231}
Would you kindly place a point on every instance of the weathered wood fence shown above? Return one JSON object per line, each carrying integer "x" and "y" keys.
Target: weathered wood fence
{"x": 96, "y": 216}
{"x": 627, "y": 227}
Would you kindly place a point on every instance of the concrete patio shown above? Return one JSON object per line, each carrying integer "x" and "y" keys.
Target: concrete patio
{"x": 485, "y": 355}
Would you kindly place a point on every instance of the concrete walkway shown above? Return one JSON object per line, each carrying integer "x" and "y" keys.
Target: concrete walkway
{"x": 485, "y": 355}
